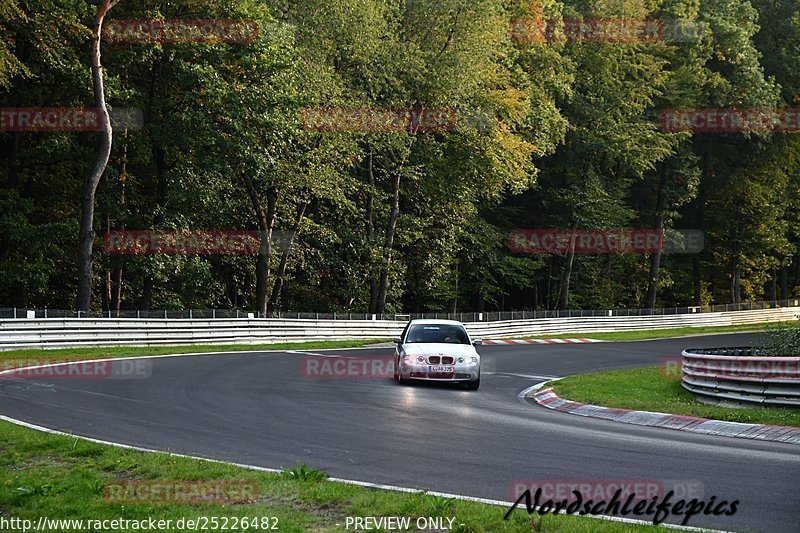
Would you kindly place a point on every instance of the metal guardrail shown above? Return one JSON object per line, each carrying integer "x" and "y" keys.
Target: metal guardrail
{"x": 72, "y": 332}
{"x": 735, "y": 377}
{"x": 490, "y": 316}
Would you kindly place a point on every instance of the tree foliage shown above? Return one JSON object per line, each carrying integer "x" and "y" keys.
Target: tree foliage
{"x": 548, "y": 134}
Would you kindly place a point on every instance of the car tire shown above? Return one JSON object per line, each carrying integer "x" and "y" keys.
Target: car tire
{"x": 474, "y": 385}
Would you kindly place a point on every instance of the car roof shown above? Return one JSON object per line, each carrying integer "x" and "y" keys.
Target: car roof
{"x": 435, "y": 321}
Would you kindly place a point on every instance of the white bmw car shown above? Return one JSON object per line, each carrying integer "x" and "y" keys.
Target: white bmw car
{"x": 437, "y": 350}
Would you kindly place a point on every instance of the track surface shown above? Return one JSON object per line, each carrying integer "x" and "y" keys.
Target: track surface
{"x": 258, "y": 409}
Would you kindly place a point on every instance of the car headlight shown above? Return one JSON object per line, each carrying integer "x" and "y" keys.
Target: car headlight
{"x": 474, "y": 360}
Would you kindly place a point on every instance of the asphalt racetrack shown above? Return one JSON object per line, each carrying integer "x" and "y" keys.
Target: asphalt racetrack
{"x": 260, "y": 409}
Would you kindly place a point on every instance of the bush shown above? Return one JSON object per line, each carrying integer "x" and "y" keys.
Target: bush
{"x": 781, "y": 340}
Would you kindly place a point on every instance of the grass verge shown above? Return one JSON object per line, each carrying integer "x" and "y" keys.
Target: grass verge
{"x": 13, "y": 358}
{"x": 647, "y": 389}
{"x": 659, "y": 333}
{"x": 65, "y": 478}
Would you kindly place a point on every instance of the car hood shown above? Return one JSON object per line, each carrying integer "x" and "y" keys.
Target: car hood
{"x": 421, "y": 348}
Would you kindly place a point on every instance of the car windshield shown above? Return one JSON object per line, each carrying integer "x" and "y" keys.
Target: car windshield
{"x": 437, "y": 333}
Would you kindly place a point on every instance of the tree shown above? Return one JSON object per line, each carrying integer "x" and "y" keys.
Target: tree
{"x": 85, "y": 258}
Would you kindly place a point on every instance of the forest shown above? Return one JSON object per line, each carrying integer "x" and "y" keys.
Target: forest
{"x": 386, "y": 150}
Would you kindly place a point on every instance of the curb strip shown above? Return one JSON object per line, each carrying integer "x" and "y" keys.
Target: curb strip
{"x": 549, "y": 399}
{"x": 540, "y": 341}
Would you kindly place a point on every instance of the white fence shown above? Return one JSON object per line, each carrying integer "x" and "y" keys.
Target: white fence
{"x": 73, "y": 332}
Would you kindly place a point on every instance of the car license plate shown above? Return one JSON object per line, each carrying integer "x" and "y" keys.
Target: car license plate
{"x": 441, "y": 369}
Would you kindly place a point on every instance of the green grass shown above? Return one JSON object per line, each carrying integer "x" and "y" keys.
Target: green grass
{"x": 657, "y": 333}
{"x": 63, "y": 477}
{"x": 12, "y": 358}
{"x": 647, "y": 389}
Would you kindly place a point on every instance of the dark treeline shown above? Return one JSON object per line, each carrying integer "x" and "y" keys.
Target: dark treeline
{"x": 549, "y": 135}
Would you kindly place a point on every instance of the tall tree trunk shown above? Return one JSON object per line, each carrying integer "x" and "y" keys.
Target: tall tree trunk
{"x": 373, "y": 280}
{"x": 454, "y": 305}
{"x": 266, "y": 220}
{"x": 86, "y": 238}
{"x": 566, "y": 274}
{"x": 383, "y": 288}
{"x": 655, "y": 257}
{"x": 12, "y": 149}
{"x": 696, "y": 281}
{"x": 159, "y": 158}
{"x": 700, "y": 205}
{"x": 480, "y": 302}
{"x": 116, "y": 289}
{"x": 281, "y": 273}
{"x": 563, "y": 298}
{"x": 784, "y": 281}
{"x": 105, "y": 294}
{"x": 115, "y": 301}
{"x": 736, "y": 294}
{"x": 147, "y": 293}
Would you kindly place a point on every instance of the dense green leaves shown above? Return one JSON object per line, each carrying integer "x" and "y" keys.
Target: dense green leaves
{"x": 558, "y": 134}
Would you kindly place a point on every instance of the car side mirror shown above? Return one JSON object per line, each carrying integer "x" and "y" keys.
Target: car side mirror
{"x": 477, "y": 342}
{"x": 397, "y": 340}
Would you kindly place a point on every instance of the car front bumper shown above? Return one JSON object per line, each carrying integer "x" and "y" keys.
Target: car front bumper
{"x": 463, "y": 372}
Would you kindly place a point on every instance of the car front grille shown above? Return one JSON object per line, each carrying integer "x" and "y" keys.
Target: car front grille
{"x": 437, "y": 359}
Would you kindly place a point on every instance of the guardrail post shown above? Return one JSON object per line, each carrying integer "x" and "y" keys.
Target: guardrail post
{"x": 137, "y": 314}
{"x": 190, "y": 314}
{"x": 15, "y": 312}
{"x": 165, "y": 313}
{"x": 45, "y": 312}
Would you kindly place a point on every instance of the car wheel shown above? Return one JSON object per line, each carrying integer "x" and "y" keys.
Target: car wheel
{"x": 473, "y": 385}
{"x": 399, "y": 376}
